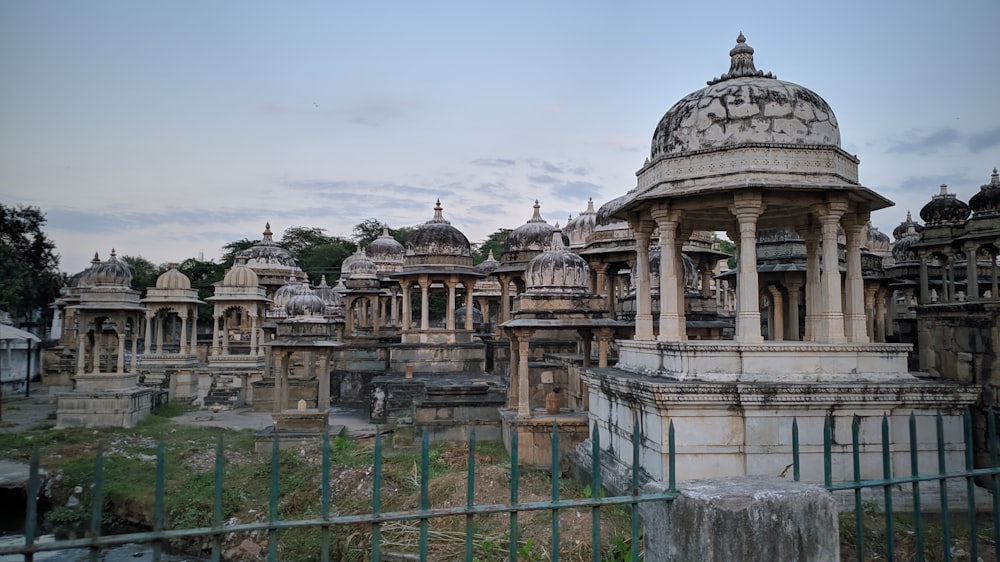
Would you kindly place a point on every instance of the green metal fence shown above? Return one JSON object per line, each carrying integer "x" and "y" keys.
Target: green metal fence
{"x": 889, "y": 482}
{"x": 376, "y": 518}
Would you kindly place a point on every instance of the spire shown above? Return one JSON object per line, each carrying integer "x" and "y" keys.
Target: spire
{"x": 537, "y": 215}
{"x": 741, "y": 63}
{"x": 995, "y": 179}
{"x": 557, "y": 241}
{"x": 438, "y": 215}
{"x": 490, "y": 257}
{"x": 114, "y": 255}
{"x": 268, "y": 236}
{"x": 590, "y": 205}
{"x": 96, "y": 260}
{"x": 385, "y": 232}
{"x": 322, "y": 281}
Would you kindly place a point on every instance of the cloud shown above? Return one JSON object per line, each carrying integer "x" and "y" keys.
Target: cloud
{"x": 576, "y": 190}
{"x": 494, "y": 162}
{"x": 621, "y": 144}
{"x": 544, "y": 179}
{"x": 915, "y": 191}
{"x": 924, "y": 142}
{"x": 983, "y": 140}
{"x": 374, "y": 112}
{"x": 545, "y": 166}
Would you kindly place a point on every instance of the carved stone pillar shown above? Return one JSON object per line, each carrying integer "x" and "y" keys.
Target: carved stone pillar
{"x": 871, "y": 315}
{"x": 925, "y": 292}
{"x": 854, "y": 318}
{"x": 182, "y": 350}
{"x": 81, "y": 352}
{"x": 880, "y": 315}
{"x": 449, "y": 321}
{"x": 504, "y": 298}
{"x": 814, "y": 302}
{"x": 523, "y": 388}
{"x": 777, "y": 316}
{"x": 215, "y": 334}
{"x": 425, "y": 312}
{"x": 643, "y": 296}
{"x": 149, "y": 331}
{"x": 792, "y": 318}
{"x": 406, "y": 305}
{"x": 161, "y": 324}
{"x": 469, "y": 305}
{"x": 971, "y": 270}
{"x": 671, "y": 292}
{"x": 747, "y": 207}
{"x": 253, "y": 334}
{"x": 831, "y": 324}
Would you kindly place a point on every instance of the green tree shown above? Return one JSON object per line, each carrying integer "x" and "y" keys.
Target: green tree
{"x": 230, "y": 250}
{"x": 29, "y": 275}
{"x": 325, "y": 259}
{"x": 298, "y": 239}
{"x": 202, "y": 275}
{"x": 367, "y": 230}
{"x": 495, "y": 242}
{"x": 144, "y": 272}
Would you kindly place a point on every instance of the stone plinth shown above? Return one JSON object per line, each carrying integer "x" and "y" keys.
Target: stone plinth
{"x": 308, "y": 420}
{"x": 534, "y": 435}
{"x": 773, "y": 361}
{"x": 437, "y": 358}
{"x": 123, "y": 407}
{"x": 749, "y": 518}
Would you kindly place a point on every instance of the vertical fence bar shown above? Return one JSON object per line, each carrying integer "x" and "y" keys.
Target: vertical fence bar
{"x": 97, "y": 502}
{"x": 272, "y": 532}
{"x": 595, "y": 487}
{"x": 514, "y": 477}
{"x": 672, "y": 458}
{"x": 31, "y": 509}
{"x": 970, "y": 484}
{"x": 991, "y": 434}
{"x": 635, "y": 490}
{"x": 377, "y": 499}
{"x": 425, "y": 502}
{"x": 943, "y": 486}
{"x": 470, "y": 495}
{"x": 828, "y": 451}
{"x": 555, "y": 491}
{"x": 220, "y": 460}
{"x": 796, "y": 472}
{"x": 324, "y": 508}
{"x": 158, "y": 507}
{"x": 918, "y": 528}
{"x": 890, "y": 539}
{"x": 859, "y": 520}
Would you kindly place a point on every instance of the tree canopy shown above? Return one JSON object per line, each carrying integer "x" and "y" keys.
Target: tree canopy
{"x": 29, "y": 266}
{"x": 369, "y": 229}
{"x": 495, "y": 242}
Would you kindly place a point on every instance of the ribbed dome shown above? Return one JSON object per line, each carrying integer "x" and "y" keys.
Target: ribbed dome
{"x": 340, "y": 288}
{"x": 110, "y": 272}
{"x": 987, "y": 201}
{"x": 286, "y": 292}
{"x": 266, "y": 252}
{"x": 359, "y": 266}
{"x": 436, "y": 242}
{"x": 386, "y": 252}
{"x": 580, "y": 228}
{"x": 305, "y": 303}
{"x": 745, "y": 106}
{"x": 82, "y": 279}
{"x": 900, "y": 231}
{"x": 532, "y": 236}
{"x": 240, "y": 275}
{"x": 173, "y": 279}
{"x": 328, "y": 295}
{"x": 906, "y": 238}
{"x": 488, "y": 265}
{"x": 557, "y": 270}
{"x": 944, "y": 208}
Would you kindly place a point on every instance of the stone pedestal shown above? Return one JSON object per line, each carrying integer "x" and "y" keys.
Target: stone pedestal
{"x": 750, "y": 518}
{"x": 120, "y": 407}
{"x": 294, "y": 428}
{"x": 534, "y": 435}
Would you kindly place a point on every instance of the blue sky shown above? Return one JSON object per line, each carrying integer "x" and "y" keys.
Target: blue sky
{"x": 166, "y": 129}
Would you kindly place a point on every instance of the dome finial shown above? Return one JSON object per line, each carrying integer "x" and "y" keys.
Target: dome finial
{"x": 113, "y": 253}
{"x": 268, "y": 235}
{"x": 741, "y": 63}
{"x": 995, "y": 178}
{"x": 537, "y": 215}
{"x": 97, "y": 258}
{"x": 438, "y": 215}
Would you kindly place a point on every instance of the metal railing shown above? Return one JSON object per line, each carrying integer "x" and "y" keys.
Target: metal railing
{"x": 888, "y": 482}
{"x": 158, "y": 537}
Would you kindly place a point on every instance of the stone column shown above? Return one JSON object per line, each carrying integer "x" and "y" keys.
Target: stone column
{"x": 280, "y": 379}
{"x": 161, "y": 324}
{"x": 98, "y": 347}
{"x": 149, "y": 332}
{"x": 747, "y": 207}
{"x": 871, "y": 318}
{"x": 611, "y": 290}
{"x": 742, "y": 518}
{"x": 515, "y": 381}
{"x": 134, "y": 363}
{"x": 253, "y": 334}
{"x": 504, "y": 298}
{"x": 601, "y": 284}
{"x": 830, "y": 327}
{"x": 880, "y": 316}
{"x": 603, "y": 341}
{"x": 406, "y": 305}
{"x": 449, "y": 320}
{"x": 706, "y": 279}
{"x": 792, "y": 319}
{"x": 814, "y": 304}
{"x": 120, "y": 334}
{"x": 184, "y": 338}
{"x": 643, "y": 298}
{"x": 671, "y": 292}
{"x": 971, "y": 271}
{"x": 425, "y": 313}
{"x": 323, "y": 400}
{"x": 777, "y": 313}
{"x": 81, "y": 353}
{"x": 468, "y": 284}
{"x": 225, "y": 333}
{"x": 925, "y": 292}
{"x": 854, "y": 317}
{"x": 523, "y": 392}
{"x": 393, "y": 310}
{"x": 947, "y": 288}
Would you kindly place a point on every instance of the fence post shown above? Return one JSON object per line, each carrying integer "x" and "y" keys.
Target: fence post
{"x": 742, "y": 518}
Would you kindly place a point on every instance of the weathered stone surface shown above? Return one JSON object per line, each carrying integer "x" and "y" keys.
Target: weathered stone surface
{"x": 745, "y": 519}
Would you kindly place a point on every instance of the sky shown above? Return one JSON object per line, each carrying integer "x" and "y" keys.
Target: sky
{"x": 166, "y": 129}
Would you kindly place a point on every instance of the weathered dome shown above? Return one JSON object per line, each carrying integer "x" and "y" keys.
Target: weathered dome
{"x": 488, "y": 265}
{"x": 557, "y": 270}
{"x": 267, "y": 253}
{"x": 386, "y": 252}
{"x": 944, "y": 208}
{"x": 110, "y": 272}
{"x": 987, "y": 201}
{"x": 580, "y": 228}
{"x": 172, "y": 278}
{"x": 745, "y": 106}
{"x": 875, "y": 240}
{"x": 359, "y": 266}
{"x": 82, "y": 279}
{"x": 906, "y": 238}
{"x": 305, "y": 303}
{"x": 438, "y": 242}
{"x": 240, "y": 275}
{"x": 900, "y": 231}
{"x": 286, "y": 292}
{"x": 327, "y": 294}
{"x": 532, "y": 236}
